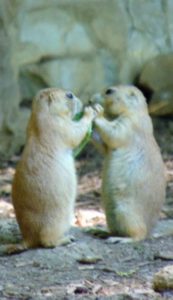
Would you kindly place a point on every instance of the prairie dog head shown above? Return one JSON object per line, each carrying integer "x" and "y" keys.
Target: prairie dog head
{"x": 125, "y": 100}
{"x": 56, "y": 102}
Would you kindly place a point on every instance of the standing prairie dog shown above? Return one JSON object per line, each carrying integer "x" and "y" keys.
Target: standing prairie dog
{"x": 133, "y": 188}
{"x": 44, "y": 186}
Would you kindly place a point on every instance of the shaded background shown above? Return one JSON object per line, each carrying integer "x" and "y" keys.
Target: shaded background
{"x": 83, "y": 46}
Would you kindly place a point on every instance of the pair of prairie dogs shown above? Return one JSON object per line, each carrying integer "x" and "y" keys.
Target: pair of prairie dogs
{"x": 45, "y": 184}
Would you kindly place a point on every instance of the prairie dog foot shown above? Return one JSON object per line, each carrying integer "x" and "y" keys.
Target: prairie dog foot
{"x": 67, "y": 240}
{"x": 19, "y": 248}
{"x": 116, "y": 240}
{"x": 63, "y": 241}
{"x": 11, "y": 249}
{"x": 104, "y": 234}
{"x": 98, "y": 232}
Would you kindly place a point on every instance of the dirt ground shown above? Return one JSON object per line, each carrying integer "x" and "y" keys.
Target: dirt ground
{"x": 88, "y": 267}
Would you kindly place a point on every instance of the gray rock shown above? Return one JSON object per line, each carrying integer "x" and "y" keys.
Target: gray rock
{"x": 162, "y": 102}
{"x": 157, "y": 76}
{"x": 12, "y": 121}
{"x": 157, "y": 73}
{"x": 163, "y": 279}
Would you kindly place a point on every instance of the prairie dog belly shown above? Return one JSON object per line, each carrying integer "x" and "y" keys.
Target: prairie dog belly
{"x": 44, "y": 196}
{"x": 120, "y": 171}
{"x": 132, "y": 186}
{"x": 51, "y": 182}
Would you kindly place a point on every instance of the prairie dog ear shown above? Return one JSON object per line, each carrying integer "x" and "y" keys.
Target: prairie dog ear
{"x": 132, "y": 94}
{"x": 50, "y": 98}
{"x": 137, "y": 93}
{"x": 137, "y": 99}
{"x": 36, "y": 101}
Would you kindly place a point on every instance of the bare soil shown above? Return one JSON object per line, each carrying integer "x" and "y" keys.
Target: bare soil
{"x": 88, "y": 267}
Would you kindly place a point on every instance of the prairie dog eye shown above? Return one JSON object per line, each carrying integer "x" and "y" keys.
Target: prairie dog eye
{"x": 69, "y": 95}
{"x": 109, "y": 91}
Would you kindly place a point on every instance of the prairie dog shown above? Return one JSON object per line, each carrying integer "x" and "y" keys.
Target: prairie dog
{"x": 45, "y": 183}
{"x": 133, "y": 187}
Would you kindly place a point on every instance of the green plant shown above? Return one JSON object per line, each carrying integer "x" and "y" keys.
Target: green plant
{"x": 86, "y": 139}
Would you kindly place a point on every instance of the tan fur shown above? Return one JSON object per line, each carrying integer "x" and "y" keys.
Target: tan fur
{"x": 44, "y": 186}
{"x": 133, "y": 189}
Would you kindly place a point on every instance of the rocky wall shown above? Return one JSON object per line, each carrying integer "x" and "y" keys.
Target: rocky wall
{"x": 80, "y": 45}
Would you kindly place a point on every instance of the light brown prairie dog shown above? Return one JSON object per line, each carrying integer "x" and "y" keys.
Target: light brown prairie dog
{"x": 44, "y": 186}
{"x": 133, "y": 188}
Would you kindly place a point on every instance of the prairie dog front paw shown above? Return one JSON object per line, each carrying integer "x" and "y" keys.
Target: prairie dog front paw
{"x": 99, "y": 110}
{"x": 89, "y": 113}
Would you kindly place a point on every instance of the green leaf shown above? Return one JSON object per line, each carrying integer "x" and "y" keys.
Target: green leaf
{"x": 78, "y": 116}
{"x": 86, "y": 139}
